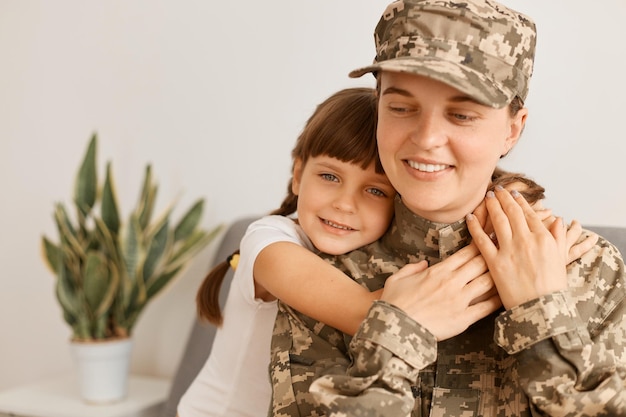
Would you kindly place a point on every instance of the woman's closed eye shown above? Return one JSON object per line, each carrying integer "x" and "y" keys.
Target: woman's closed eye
{"x": 400, "y": 109}
{"x": 461, "y": 117}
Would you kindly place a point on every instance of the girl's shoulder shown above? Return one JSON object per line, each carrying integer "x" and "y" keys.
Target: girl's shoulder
{"x": 274, "y": 221}
{"x": 278, "y": 228}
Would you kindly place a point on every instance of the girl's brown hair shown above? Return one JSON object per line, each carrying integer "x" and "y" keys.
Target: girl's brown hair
{"x": 344, "y": 127}
{"x": 530, "y": 190}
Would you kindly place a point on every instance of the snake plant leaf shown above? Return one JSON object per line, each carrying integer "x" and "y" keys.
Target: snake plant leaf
{"x": 193, "y": 244}
{"x": 52, "y": 255}
{"x": 105, "y": 242}
{"x": 157, "y": 247}
{"x": 158, "y": 283}
{"x": 86, "y": 186}
{"x": 67, "y": 233}
{"x": 131, "y": 246}
{"x": 61, "y": 217}
{"x": 189, "y": 222}
{"x": 147, "y": 198}
{"x": 131, "y": 258}
{"x": 108, "y": 207}
{"x": 111, "y": 290}
{"x": 95, "y": 280}
{"x": 66, "y": 293}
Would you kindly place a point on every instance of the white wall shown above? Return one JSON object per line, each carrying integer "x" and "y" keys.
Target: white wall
{"x": 213, "y": 94}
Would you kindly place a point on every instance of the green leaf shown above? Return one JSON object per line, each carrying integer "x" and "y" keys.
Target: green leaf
{"x": 193, "y": 244}
{"x": 130, "y": 247}
{"x": 52, "y": 255}
{"x": 158, "y": 245}
{"x": 147, "y": 199}
{"x": 110, "y": 214}
{"x": 111, "y": 291}
{"x": 86, "y": 187}
{"x": 69, "y": 238}
{"x": 189, "y": 222}
{"x": 161, "y": 281}
{"x": 66, "y": 295}
{"x": 95, "y": 280}
{"x": 132, "y": 284}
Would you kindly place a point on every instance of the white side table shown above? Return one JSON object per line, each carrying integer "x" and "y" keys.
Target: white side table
{"x": 60, "y": 397}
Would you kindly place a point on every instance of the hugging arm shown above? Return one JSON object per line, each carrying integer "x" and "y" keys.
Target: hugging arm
{"x": 566, "y": 328}
{"x": 309, "y": 284}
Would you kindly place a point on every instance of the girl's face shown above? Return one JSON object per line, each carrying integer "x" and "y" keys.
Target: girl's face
{"x": 341, "y": 207}
{"x": 438, "y": 146}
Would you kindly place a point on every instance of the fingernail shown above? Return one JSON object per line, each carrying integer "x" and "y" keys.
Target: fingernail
{"x": 490, "y": 194}
{"x": 499, "y": 187}
{"x": 515, "y": 193}
{"x": 469, "y": 217}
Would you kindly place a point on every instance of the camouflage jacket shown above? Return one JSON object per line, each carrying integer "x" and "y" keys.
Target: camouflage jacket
{"x": 563, "y": 354}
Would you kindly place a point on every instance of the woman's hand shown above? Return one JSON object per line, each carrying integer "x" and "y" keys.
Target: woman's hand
{"x": 445, "y": 298}
{"x": 527, "y": 260}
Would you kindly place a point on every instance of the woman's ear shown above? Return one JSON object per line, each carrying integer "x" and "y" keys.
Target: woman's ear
{"x": 516, "y": 128}
{"x": 296, "y": 176}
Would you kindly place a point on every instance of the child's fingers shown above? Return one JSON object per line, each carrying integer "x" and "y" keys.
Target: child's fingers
{"x": 576, "y": 250}
{"x": 573, "y": 233}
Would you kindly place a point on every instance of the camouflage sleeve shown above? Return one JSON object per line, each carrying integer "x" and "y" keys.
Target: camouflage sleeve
{"x": 387, "y": 353}
{"x": 570, "y": 346}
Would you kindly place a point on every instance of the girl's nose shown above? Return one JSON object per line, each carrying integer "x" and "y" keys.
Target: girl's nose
{"x": 345, "y": 202}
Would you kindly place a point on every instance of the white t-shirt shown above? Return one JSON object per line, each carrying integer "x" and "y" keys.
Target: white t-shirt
{"x": 235, "y": 378}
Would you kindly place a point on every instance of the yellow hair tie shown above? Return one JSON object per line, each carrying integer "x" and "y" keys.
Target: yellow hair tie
{"x": 233, "y": 260}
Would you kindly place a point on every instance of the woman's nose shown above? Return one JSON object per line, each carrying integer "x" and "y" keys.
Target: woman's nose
{"x": 428, "y": 132}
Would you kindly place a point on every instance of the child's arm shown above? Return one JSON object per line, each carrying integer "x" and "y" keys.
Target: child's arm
{"x": 306, "y": 282}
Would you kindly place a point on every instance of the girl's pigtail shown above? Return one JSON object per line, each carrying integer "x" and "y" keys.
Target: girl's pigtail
{"x": 208, "y": 296}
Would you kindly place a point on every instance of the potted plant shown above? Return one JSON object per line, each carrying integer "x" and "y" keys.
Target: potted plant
{"x": 107, "y": 271}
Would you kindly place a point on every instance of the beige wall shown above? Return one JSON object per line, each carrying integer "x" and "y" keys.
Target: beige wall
{"x": 213, "y": 94}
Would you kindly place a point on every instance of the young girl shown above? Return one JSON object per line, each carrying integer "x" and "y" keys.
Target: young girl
{"x": 343, "y": 201}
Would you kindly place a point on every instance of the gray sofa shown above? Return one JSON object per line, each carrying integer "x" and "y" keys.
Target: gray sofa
{"x": 200, "y": 340}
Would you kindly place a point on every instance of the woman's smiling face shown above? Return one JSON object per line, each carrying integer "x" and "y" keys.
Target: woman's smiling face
{"x": 438, "y": 146}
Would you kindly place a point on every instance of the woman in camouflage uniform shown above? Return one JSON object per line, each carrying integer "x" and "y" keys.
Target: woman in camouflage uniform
{"x": 452, "y": 79}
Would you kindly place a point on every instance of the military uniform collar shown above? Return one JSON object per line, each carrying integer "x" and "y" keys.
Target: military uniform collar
{"x": 412, "y": 234}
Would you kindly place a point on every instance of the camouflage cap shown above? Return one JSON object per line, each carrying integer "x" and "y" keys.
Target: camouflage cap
{"x": 479, "y": 47}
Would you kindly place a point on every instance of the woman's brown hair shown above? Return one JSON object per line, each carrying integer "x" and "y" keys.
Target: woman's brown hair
{"x": 343, "y": 127}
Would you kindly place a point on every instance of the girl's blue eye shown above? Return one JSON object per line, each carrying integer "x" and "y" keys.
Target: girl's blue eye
{"x": 329, "y": 177}
{"x": 377, "y": 192}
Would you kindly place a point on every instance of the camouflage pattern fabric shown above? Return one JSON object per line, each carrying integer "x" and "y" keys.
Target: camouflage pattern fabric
{"x": 563, "y": 354}
{"x": 479, "y": 47}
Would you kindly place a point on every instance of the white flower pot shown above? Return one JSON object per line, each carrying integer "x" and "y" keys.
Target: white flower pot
{"x": 103, "y": 368}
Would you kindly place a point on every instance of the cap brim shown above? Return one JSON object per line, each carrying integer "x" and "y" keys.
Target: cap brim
{"x": 466, "y": 80}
